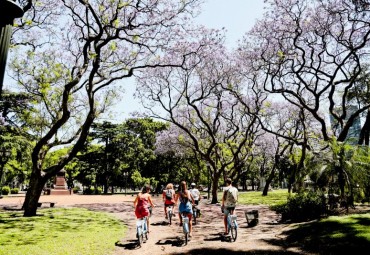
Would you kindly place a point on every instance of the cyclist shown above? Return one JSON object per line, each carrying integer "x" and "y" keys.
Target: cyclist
{"x": 186, "y": 204}
{"x": 229, "y": 200}
{"x": 195, "y": 193}
{"x": 168, "y": 196}
{"x": 142, "y": 202}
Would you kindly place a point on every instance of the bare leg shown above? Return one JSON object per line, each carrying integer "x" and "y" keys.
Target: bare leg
{"x": 190, "y": 225}
{"x": 147, "y": 223}
{"x": 225, "y": 223}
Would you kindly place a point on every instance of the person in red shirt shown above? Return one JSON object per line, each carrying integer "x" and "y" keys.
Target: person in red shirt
{"x": 168, "y": 196}
{"x": 142, "y": 203}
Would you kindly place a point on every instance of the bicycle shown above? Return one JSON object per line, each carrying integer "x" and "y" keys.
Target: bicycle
{"x": 185, "y": 226}
{"x": 195, "y": 214}
{"x": 141, "y": 230}
{"x": 232, "y": 226}
{"x": 169, "y": 213}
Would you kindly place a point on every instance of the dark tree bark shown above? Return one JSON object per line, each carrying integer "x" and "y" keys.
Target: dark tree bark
{"x": 365, "y": 131}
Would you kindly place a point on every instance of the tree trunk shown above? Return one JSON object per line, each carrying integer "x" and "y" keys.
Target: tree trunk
{"x": 268, "y": 182}
{"x": 216, "y": 177}
{"x": 365, "y": 131}
{"x": 33, "y": 194}
{"x": 106, "y": 187}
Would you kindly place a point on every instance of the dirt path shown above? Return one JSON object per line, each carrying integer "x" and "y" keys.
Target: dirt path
{"x": 265, "y": 238}
{"x": 207, "y": 234}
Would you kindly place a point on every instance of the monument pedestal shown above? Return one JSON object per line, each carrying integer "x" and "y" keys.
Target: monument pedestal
{"x": 60, "y": 187}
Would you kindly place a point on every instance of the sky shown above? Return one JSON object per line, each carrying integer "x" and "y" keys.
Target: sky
{"x": 236, "y": 16}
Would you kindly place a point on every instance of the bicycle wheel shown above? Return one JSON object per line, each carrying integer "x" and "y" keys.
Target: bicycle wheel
{"x": 170, "y": 216}
{"x": 139, "y": 237}
{"x": 186, "y": 238}
{"x": 195, "y": 217}
{"x": 234, "y": 233}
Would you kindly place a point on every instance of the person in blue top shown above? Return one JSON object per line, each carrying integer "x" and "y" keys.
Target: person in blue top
{"x": 186, "y": 204}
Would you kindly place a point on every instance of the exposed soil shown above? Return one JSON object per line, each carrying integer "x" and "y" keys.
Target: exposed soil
{"x": 267, "y": 237}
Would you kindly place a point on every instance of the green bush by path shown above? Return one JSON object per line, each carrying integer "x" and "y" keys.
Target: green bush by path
{"x": 59, "y": 231}
{"x": 5, "y": 190}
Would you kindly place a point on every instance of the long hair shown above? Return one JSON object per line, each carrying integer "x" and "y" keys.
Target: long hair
{"x": 169, "y": 186}
{"x": 183, "y": 189}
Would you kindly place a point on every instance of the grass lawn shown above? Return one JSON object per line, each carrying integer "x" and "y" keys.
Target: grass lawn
{"x": 255, "y": 197}
{"x": 79, "y": 231}
{"x": 59, "y": 231}
{"x": 333, "y": 235}
{"x": 349, "y": 234}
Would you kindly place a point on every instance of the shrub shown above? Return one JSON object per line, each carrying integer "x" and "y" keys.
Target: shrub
{"x": 5, "y": 190}
{"x": 88, "y": 191}
{"x": 76, "y": 189}
{"x": 98, "y": 191}
{"x": 14, "y": 191}
{"x": 302, "y": 207}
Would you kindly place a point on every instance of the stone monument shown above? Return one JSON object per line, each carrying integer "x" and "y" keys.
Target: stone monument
{"x": 60, "y": 186}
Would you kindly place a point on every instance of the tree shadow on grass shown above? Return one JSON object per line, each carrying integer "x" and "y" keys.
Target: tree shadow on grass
{"x": 327, "y": 237}
{"x": 218, "y": 251}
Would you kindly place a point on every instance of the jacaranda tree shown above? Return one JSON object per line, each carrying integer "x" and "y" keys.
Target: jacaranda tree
{"x": 71, "y": 55}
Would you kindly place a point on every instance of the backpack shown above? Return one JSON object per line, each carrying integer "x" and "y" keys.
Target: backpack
{"x": 231, "y": 195}
{"x": 169, "y": 194}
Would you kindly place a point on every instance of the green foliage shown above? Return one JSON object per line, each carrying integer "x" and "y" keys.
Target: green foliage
{"x": 92, "y": 191}
{"x": 76, "y": 189}
{"x": 115, "y": 149}
{"x": 137, "y": 179}
{"x": 59, "y": 231}
{"x": 5, "y": 190}
{"x": 98, "y": 191}
{"x": 88, "y": 191}
{"x": 14, "y": 191}
{"x": 302, "y": 207}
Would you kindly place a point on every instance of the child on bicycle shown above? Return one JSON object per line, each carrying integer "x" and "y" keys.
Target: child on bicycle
{"x": 186, "y": 204}
{"x": 142, "y": 203}
{"x": 168, "y": 196}
{"x": 229, "y": 200}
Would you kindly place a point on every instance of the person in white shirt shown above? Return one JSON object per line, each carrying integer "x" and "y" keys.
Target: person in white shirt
{"x": 195, "y": 193}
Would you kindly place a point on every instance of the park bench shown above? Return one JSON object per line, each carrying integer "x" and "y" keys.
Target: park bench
{"x": 51, "y": 204}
